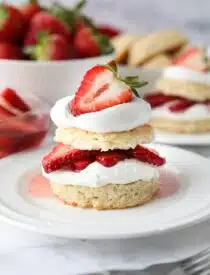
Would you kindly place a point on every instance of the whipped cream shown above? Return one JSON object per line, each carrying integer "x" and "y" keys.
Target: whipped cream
{"x": 122, "y": 117}
{"x": 195, "y": 112}
{"x": 180, "y": 73}
{"x": 96, "y": 175}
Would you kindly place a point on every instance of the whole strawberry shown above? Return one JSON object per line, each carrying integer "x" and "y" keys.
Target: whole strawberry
{"x": 108, "y": 30}
{"x": 30, "y": 9}
{"x": 49, "y": 47}
{"x": 45, "y": 22}
{"x": 89, "y": 43}
{"x": 9, "y": 51}
{"x": 12, "y": 24}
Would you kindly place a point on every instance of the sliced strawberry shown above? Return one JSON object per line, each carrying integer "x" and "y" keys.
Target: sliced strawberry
{"x": 181, "y": 105}
{"x": 82, "y": 164}
{"x": 13, "y": 99}
{"x": 149, "y": 156}
{"x": 63, "y": 155}
{"x": 192, "y": 58}
{"x": 158, "y": 99}
{"x": 111, "y": 158}
{"x": 4, "y": 113}
{"x": 98, "y": 91}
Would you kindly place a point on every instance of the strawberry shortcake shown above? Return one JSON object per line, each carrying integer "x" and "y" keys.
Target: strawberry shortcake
{"x": 100, "y": 160}
{"x": 181, "y": 102}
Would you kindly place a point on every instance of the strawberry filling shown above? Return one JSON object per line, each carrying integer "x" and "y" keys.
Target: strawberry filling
{"x": 177, "y": 103}
{"x": 64, "y": 157}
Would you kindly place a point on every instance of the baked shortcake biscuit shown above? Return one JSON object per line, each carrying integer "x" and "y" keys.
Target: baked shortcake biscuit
{"x": 157, "y": 62}
{"x": 101, "y": 160}
{"x": 154, "y": 44}
{"x": 181, "y": 102}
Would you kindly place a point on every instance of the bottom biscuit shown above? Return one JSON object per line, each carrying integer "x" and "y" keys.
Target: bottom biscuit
{"x": 110, "y": 196}
{"x": 181, "y": 126}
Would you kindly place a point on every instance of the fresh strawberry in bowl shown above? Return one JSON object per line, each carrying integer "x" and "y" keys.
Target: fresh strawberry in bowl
{"x": 23, "y": 123}
{"x": 50, "y": 50}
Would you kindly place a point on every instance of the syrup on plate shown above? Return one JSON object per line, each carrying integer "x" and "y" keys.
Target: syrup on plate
{"x": 39, "y": 186}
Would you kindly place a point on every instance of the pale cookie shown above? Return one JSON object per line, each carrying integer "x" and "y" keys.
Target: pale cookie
{"x": 121, "y": 45}
{"x": 110, "y": 196}
{"x": 154, "y": 44}
{"x": 181, "y": 126}
{"x": 107, "y": 141}
{"x": 158, "y": 61}
{"x": 182, "y": 88}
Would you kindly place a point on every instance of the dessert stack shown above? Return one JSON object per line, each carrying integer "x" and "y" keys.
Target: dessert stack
{"x": 100, "y": 160}
{"x": 181, "y": 102}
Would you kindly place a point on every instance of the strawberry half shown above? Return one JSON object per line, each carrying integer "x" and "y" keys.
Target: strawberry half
{"x": 149, "y": 156}
{"x": 192, "y": 58}
{"x": 62, "y": 155}
{"x": 14, "y": 100}
{"x": 102, "y": 88}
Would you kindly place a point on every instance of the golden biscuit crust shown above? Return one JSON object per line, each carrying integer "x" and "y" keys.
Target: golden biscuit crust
{"x": 110, "y": 196}
{"x": 189, "y": 90}
{"x": 154, "y": 44}
{"x": 181, "y": 127}
{"x": 158, "y": 61}
{"x": 107, "y": 141}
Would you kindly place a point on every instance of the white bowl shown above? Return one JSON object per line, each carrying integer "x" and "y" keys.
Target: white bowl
{"x": 49, "y": 80}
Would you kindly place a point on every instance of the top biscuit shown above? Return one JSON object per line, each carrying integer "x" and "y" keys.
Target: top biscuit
{"x": 154, "y": 44}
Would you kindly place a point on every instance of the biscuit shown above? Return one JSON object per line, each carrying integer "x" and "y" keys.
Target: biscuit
{"x": 158, "y": 61}
{"x": 81, "y": 139}
{"x": 121, "y": 45}
{"x": 155, "y": 43}
{"x": 181, "y": 126}
{"x": 110, "y": 196}
{"x": 189, "y": 90}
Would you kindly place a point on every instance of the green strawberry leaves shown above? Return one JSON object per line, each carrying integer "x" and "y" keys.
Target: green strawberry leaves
{"x": 132, "y": 81}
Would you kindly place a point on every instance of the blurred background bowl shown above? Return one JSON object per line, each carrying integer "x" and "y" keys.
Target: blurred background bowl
{"x": 49, "y": 80}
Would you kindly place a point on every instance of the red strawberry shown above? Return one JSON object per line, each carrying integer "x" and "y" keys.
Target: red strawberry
{"x": 192, "y": 58}
{"x": 146, "y": 155}
{"x": 89, "y": 43}
{"x": 90, "y": 97}
{"x": 108, "y": 30}
{"x": 4, "y": 113}
{"x": 49, "y": 47}
{"x": 9, "y": 51}
{"x": 63, "y": 155}
{"x": 158, "y": 99}
{"x": 13, "y": 99}
{"x": 12, "y": 24}
{"x": 30, "y": 9}
{"x": 110, "y": 158}
{"x": 81, "y": 164}
{"x": 45, "y": 22}
{"x": 85, "y": 44}
{"x": 181, "y": 105}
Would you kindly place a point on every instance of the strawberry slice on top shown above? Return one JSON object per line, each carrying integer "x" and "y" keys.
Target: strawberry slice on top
{"x": 103, "y": 88}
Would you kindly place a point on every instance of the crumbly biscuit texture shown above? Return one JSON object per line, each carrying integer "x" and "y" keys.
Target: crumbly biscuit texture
{"x": 158, "y": 61}
{"x": 154, "y": 44}
{"x": 186, "y": 89}
{"x": 110, "y": 196}
{"x": 181, "y": 127}
{"x": 107, "y": 141}
{"x": 121, "y": 45}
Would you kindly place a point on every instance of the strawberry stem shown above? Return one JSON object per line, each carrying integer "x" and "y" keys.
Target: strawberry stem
{"x": 132, "y": 81}
{"x": 3, "y": 15}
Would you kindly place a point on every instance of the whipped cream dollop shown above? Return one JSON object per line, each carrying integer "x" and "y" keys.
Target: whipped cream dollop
{"x": 96, "y": 175}
{"x": 181, "y": 73}
{"x": 195, "y": 112}
{"x": 122, "y": 117}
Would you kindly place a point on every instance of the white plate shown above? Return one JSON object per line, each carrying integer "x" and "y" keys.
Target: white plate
{"x": 190, "y": 205}
{"x": 182, "y": 139}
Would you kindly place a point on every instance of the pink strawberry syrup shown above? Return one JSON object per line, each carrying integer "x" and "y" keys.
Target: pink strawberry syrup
{"x": 39, "y": 186}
